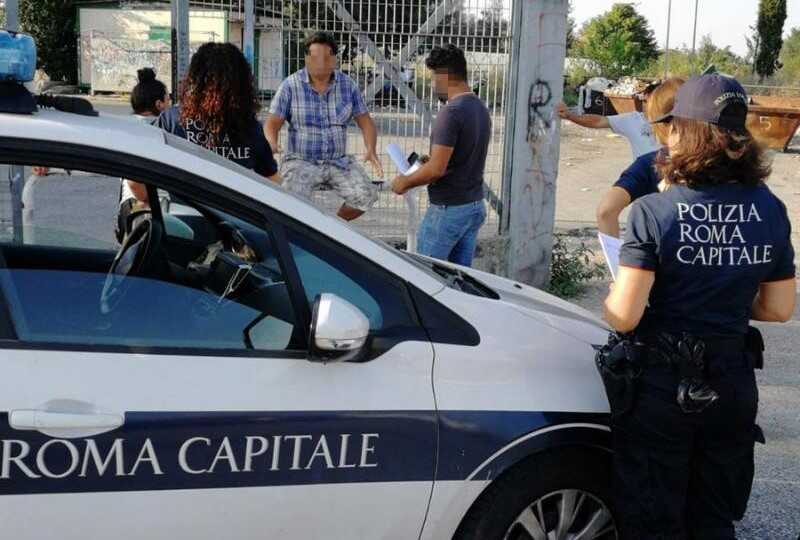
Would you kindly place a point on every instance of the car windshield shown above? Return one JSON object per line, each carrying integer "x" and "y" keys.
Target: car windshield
{"x": 444, "y": 274}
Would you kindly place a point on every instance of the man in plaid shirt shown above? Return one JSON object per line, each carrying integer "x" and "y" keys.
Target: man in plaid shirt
{"x": 319, "y": 102}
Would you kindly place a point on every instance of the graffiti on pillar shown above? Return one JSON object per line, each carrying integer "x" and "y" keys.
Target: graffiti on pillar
{"x": 539, "y": 120}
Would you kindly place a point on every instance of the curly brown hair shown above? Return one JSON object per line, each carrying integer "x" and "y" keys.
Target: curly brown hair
{"x": 219, "y": 92}
{"x": 707, "y": 154}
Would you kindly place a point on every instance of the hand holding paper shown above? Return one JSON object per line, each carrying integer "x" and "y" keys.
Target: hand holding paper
{"x": 396, "y": 153}
{"x": 611, "y": 247}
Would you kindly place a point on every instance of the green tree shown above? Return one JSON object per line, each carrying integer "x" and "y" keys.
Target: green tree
{"x": 771, "y": 16}
{"x": 620, "y": 41}
{"x": 683, "y": 64}
{"x": 52, "y": 24}
{"x": 570, "y": 29}
{"x": 790, "y": 58}
{"x": 724, "y": 59}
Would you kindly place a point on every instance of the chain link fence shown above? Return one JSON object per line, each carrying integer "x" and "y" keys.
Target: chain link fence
{"x": 383, "y": 45}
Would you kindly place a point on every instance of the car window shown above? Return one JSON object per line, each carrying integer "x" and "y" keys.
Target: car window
{"x": 327, "y": 267}
{"x": 87, "y": 221}
{"x": 207, "y": 281}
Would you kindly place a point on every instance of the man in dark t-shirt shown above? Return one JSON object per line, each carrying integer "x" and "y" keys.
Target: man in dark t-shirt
{"x": 255, "y": 153}
{"x": 454, "y": 173}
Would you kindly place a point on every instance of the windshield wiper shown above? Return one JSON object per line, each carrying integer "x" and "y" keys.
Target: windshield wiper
{"x": 453, "y": 280}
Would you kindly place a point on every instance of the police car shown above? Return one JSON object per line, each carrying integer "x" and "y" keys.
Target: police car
{"x": 246, "y": 366}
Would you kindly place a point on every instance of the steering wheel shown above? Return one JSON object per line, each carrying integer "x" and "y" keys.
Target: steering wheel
{"x": 137, "y": 255}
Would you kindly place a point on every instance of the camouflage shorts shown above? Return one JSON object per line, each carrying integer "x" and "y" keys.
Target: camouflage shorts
{"x": 352, "y": 184}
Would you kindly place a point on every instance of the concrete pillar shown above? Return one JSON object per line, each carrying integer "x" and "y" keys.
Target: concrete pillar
{"x": 180, "y": 43}
{"x": 249, "y": 37}
{"x": 532, "y": 137}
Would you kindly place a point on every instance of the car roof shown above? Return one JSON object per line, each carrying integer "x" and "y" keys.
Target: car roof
{"x": 106, "y": 131}
{"x": 129, "y": 135}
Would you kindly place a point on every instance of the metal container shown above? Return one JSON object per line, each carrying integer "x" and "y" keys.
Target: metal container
{"x": 773, "y": 120}
{"x": 626, "y": 104}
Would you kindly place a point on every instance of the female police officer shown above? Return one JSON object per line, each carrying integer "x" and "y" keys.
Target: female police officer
{"x": 698, "y": 262}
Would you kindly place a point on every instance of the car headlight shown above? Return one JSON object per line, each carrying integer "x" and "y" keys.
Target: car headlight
{"x": 17, "y": 57}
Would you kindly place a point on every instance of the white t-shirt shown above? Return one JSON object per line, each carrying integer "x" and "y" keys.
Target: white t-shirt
{"x": 635, "y": 127}
{"x": 127, "y": 194}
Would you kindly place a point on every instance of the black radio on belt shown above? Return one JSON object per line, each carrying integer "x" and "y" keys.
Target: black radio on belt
{"x": 619, "y": 367}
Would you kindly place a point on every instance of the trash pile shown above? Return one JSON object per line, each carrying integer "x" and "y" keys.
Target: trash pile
{"x": 627, "y": 86}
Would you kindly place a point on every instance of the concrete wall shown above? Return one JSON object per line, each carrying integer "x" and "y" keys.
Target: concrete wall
{"x": 123, "y": 42}
{"x": 116, "y": 42}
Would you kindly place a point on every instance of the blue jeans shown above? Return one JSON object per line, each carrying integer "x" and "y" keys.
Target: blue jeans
{"x": 450, "y": 233}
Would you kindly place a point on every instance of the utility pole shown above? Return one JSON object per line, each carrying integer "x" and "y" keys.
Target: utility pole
{"x": 532, "y": 138}
{"x": 666, "y": 49}
{"x": 180, "y": 43}
{"x": 16, "y": 173}
{"x": 249, "y": 37}
{"x": 694, "y": 33}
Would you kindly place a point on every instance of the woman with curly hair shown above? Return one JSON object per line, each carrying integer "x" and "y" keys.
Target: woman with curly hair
{"x": 218, "y": 109}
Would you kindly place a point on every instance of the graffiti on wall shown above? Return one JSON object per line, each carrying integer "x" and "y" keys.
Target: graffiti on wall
{"x": 115, "y": 62}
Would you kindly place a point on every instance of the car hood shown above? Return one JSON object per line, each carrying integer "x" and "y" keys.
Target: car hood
{"x": 551, "y": 310}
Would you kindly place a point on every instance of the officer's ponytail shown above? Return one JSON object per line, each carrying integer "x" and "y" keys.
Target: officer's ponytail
{"x": 147, "y": 92}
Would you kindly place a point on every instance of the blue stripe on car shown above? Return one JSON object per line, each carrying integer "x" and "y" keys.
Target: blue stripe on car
{"x": 203, "y": 450}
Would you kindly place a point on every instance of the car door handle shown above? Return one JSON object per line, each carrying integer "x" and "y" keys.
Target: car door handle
{"x": 38, "y": 420}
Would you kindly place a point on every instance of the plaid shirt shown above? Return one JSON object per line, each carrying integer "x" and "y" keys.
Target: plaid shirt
{"x": 318, "y": 122}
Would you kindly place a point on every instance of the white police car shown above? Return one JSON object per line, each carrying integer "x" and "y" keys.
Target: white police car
{"x": 245, "y": 366}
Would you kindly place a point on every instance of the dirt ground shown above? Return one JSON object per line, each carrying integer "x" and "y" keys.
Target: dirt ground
{"x": 592, "y": 159}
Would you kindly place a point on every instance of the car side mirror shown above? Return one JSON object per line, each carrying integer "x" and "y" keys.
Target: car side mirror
{"x": 339, "y": 330}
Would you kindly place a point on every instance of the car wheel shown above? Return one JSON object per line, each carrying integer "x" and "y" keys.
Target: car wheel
{"x": 563, "y": 495}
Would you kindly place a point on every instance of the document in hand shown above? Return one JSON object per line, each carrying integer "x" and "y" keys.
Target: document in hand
{"x": 400, "y": 161}
{"x": 611, "y": 247}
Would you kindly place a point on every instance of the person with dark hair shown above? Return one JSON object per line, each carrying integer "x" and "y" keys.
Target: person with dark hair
{"x": 319, "y": 102}
{"x": 218, "y": 107}
{"x": 454, "y": 172}
{"x": 149, "y": 98}
{"x": 699, "y": 261}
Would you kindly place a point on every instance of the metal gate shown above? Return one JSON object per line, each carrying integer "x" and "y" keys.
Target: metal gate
{"x": 383, "y": 44}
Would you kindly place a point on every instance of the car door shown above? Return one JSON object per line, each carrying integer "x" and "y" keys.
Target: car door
{"x": 185, "y": 413}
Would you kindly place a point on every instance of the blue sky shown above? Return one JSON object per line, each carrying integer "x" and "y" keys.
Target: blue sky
{"x": 727, "y": 21}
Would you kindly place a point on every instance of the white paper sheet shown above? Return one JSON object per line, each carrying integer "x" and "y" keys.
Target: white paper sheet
{"x": 611, "y": 247}
{"x": 400, "y": 161}
{"x": 398, "y": 157}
